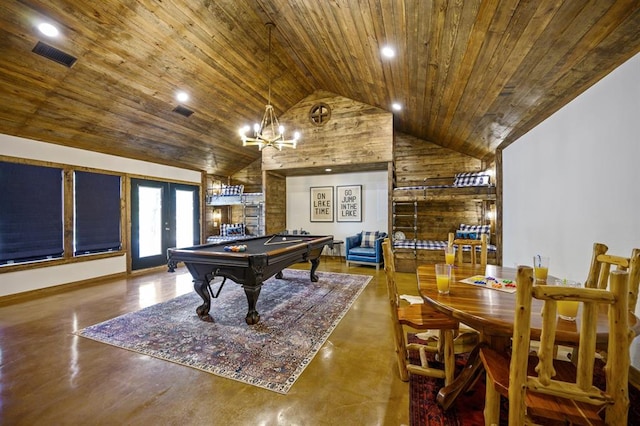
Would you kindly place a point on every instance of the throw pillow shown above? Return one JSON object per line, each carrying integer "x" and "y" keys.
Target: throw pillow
{"x": 471, "y": 179}
{"x": 467, "y": 235}
{"x": 232, "y": 229}
{"x": 369, "y": 239}
{"x": 228, "y": 190}
{"x": 475, "y": 229}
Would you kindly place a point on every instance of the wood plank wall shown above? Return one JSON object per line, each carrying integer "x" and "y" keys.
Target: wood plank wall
{"x": 275, "y": 196}
{"x": 416, "y": 159}
{"x": 250, "y": 177}
{"x": 355, "y": 134}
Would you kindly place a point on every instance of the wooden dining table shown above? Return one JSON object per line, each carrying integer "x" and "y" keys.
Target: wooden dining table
{"x": 491, "y": 312}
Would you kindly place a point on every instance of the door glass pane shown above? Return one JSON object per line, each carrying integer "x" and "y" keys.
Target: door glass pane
{"x": 184, "y": 218}
{"x": 150, "y": 223}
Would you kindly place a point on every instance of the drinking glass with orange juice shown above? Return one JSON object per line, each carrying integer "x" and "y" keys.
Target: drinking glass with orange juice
{"x": 541, "y": 268}
{"x": 443, "y": 278}
{"x": 568, "y": 309}
{"x": 449, "y": 255}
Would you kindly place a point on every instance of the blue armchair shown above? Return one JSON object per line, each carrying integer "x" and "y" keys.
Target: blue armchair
{"x": 367, "y": 253}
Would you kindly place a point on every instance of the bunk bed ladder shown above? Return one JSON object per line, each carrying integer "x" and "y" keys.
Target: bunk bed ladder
{"x": 403, "y": 220}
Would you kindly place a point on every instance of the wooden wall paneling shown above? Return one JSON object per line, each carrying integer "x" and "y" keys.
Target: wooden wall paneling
{"x": 68, "y": 203}
{"x": 250, "y": 177}
{"x": 390, "y": 184}
{"x": 125, "y": 230}
{"x": 275, "y": 193}
{"x": 355, "y": 134}
{"x": 405, "y": 259}
{"x": 208, "y": 228}
{"x": 437, "y": 219}
{"x": 236, "y": 213}
{"x": 127, "y": 203}
{"x": 416, "y": 159}
{"x": 204, "y": 209}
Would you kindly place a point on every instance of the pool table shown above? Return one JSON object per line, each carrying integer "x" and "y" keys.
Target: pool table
{"x": 263, "y": 257}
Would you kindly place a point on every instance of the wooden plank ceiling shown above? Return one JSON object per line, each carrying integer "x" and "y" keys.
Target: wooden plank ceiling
{"x": 472, "y": 75}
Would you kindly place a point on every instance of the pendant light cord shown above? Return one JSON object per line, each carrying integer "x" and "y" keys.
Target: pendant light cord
{"x": 269, "y": 25}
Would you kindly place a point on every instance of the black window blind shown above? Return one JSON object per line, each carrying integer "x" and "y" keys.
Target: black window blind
{"x": 97, "y": 213}
{"x": 31, "y": 212}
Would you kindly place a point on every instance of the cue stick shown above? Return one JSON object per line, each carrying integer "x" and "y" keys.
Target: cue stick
{"x": 269, "y": 243}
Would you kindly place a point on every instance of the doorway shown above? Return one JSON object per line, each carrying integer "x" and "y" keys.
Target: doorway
{"x": 163, "y": 215}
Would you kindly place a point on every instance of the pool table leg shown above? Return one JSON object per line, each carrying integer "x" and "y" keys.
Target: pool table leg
{"x": 314, "y": 265}
{"x": 252, "y": 294}
{"x": 200, "y": 286}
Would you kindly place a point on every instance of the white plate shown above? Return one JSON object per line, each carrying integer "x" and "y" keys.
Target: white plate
{"x": 399, "y": 236}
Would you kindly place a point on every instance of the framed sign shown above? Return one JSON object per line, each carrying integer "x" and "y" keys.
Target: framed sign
{"x": 349, "y": 203}
{"x": 322, "y": 204}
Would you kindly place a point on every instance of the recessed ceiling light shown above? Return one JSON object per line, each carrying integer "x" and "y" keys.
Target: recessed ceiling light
{"x": 327, "y": 170}
{"x": 388, "y": 52}
{"x": 396, "y": 106}
{"x": 48, "y": 30}
{"x": 182, "y": 96}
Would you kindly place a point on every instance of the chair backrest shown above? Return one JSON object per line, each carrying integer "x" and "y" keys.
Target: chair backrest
{"x": 634, "y": 278}
{"x": 390, "y": 272}
{"x": 394, "y": 304}
{"x": 601, "y": 264}
{"x": 615, "y": 397}
{"x": 472, "y": 245}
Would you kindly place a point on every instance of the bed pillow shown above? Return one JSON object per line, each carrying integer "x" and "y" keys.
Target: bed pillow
{"x": 467, "y": 235}
{"x": 471, "y": 179}
{"x": 475, "y": 230}
{"x": 231, "y": 190}
{"x": 369, "y": 239}
{"x": 232, "y": 229}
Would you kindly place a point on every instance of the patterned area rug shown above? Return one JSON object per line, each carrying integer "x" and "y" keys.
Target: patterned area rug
{"x": 296, "y": 318}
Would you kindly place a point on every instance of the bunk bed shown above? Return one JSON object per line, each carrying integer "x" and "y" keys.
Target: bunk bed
{"x": 230, "y": 195}
{"x": 467, "y": 186}
{"x": 252, "y": 204}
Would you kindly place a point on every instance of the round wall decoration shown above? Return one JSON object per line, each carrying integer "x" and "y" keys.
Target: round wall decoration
{"x": 319, "y": 114}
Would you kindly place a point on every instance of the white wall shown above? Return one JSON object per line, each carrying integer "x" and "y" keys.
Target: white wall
{"x": 374, "y": 203}
{"x": 38, "y": 278}
{"x": 575, "y": 179}
{"x": 26, "y": 148}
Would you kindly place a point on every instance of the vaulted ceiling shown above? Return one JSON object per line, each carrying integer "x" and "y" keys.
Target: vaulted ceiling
{"x": 472, "y": 75}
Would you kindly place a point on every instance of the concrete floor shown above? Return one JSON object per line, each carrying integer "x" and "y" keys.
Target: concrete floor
{"x": 50, "y": 376}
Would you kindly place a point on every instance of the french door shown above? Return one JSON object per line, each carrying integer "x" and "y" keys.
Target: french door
{"x": 163, "y": 215}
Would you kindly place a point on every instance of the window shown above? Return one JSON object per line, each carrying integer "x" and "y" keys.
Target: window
{"x": 31, "y": 209}
{"x": 96, "y": 213}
